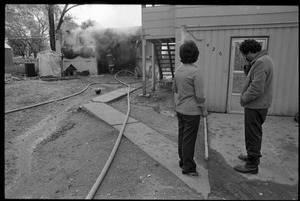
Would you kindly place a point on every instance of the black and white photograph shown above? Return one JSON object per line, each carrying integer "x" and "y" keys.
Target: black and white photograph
{"x": 151, "y": 101}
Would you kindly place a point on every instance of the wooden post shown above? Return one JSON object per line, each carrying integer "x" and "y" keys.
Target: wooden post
{"x": 184, "y": 34}
{"x": 144, "y": 65}
{"x": 144, "y": 68}
{"x": 153, "y": 68}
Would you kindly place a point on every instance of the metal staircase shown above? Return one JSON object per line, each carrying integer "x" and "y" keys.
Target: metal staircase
{"x": 165, "y": 57}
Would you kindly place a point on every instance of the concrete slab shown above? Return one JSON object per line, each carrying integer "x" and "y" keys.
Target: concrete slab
{"x": 154, "y": 144}
{"x": 279, "y": 161}
{"x": 165, "y": 152}
{"x": 110, "y": 96}
{"x": 106, "y": 113}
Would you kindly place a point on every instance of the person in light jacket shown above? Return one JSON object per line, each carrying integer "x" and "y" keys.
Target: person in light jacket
{"x": 190, "y": 104}
{"x": 256, "y": 98}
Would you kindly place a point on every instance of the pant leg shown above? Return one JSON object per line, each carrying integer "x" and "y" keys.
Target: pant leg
{"x": 180, "y": 136}
{"x": 187, "y": 142}
{"x": 254, "y": 119}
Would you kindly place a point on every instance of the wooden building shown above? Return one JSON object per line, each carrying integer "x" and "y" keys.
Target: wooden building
{"x": 8, "y": 55}
{"x": 218, "y": 31}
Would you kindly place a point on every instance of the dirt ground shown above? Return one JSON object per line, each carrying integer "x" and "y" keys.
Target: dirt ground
{"x": 57, "y": 151}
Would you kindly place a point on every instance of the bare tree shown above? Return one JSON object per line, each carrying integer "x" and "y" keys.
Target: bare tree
{"x": 51, "y": 26}
{"x": 52, "y": 30}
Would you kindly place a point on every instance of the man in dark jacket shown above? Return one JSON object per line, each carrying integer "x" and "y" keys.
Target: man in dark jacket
{"x": 256, "y": 98}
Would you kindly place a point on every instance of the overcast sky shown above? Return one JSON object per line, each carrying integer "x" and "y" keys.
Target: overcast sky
{"x": 109, "y": 15}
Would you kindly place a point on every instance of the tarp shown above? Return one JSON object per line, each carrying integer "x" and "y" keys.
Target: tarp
{"x": 49, "y": 63}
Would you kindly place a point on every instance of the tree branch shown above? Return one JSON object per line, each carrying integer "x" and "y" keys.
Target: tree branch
{"x": 73, "y": 7}
{"x": 61, "y": 17}
{"x": 65, "y": 10}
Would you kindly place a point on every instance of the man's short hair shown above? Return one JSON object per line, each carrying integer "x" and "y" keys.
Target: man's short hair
{"x": 188, "y": 52}
{"x": 250, "y": 45}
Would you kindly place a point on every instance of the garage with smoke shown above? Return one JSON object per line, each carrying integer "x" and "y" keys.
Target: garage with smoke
{"x": 92, "y": 50}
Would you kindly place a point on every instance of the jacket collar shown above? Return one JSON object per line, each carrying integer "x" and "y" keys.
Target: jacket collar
{"x": 258, "y": 55}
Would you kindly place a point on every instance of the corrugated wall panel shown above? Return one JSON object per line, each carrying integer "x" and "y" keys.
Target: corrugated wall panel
{"x": 294, "y": 72}
{"x": 203, "y": 11}
{"x": 280, "y": 71}
{"x": 159, "y": 24}
{"x": 225, "y": 63}
{"x": 276, "y": 43}
{"x": 289, "y": 73}
{"x": 220, "y": 63}
{"x": 211, "y": 61}
{"x": 237, "y": 20}
{"x": 208, "y": 63}
{"x": 285, "y": 50}
{"x": 282, "y": 47}
{"x": 167, "y": 32}
{"x": 218, "y": 68}
{"x": 295, "y": 99}
{"x": 288, "y": 69}
{"x": 150, "y": 16}
{"x": 155, "y": 9}
{"x": 295, "y": 84}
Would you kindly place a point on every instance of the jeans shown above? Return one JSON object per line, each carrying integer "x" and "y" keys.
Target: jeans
{"x": 254, "y": 119}
{"x": 187, "y": 135}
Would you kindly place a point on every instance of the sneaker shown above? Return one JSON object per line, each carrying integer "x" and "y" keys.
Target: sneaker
{"x": 252, "y": 169}
{"x": 193, "y": 174}
{"x": 243, "y": 157}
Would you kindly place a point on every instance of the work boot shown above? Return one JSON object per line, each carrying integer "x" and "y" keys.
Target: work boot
{"x": 251, "y": 165}
{"x": 193, "y": 174}
{"x": 247, "y": 168}
{"x": 243, "y": 157}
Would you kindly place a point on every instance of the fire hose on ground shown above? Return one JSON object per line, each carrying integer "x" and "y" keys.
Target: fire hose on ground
{"x": 112, "y": 154}
{"x": 107, "y": 165}
{"x": 59, "y": 99}
{"x": 104, "y": 170}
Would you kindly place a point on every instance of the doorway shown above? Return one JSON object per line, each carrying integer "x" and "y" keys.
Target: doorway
{"x": 236, "y": 73}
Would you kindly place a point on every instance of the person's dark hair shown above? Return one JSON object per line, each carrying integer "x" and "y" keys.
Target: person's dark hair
{"x": 250, "y": 45}
{"x": 188, "y": 52}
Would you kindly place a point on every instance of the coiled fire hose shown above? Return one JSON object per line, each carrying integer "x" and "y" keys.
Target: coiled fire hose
{"x": 59, "y": 99}
{"x": 112, "y": 154}
{"x": 50, "y": 101}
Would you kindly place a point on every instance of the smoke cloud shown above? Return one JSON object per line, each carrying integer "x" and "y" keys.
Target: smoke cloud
{"x": 95, "y": 41}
